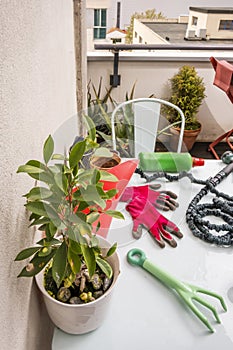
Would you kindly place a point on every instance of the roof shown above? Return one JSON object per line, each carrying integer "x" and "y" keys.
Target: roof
{"x": 116, "y": 33}
{"x": 175, "y": 33}
{"x": 212, "y": 9}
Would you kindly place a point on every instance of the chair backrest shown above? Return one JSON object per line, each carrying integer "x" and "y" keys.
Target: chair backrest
{"x": 146, "y": 115}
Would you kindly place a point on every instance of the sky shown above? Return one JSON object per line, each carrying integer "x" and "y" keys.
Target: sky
{"x": 169, "y": 8}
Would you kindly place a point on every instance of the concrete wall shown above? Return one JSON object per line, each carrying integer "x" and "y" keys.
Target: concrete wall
{"x": 38, "y": 94}
{"x": 151, "y": 75}
{"x": 100, "y": 4}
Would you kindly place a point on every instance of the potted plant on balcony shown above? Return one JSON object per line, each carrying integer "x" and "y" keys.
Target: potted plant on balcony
{"x": 74, "y": 267}
{"x": 187, "y": 92}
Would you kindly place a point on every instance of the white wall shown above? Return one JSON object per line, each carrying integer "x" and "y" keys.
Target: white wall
{"x": 148, "y": 35}
{"x": 151, "y": 75}
{"x": 38, "y": 94}
{"x": 210, "y": 22}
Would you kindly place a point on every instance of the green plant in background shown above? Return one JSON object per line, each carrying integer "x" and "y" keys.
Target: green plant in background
{"x": 64, "y": 206}
{"x": 100, "y": 108}
{"x": 187, "y": 92}
{"x": 148, "y": 14}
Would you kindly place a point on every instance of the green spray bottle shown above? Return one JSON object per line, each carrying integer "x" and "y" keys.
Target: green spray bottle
{"x": 168, "y": 161}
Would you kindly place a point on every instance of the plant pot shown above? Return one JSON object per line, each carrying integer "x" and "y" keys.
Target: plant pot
{"x": 105, "y": 163}
{"x": 84, "y": 318}
{"x": 189, "y": 138}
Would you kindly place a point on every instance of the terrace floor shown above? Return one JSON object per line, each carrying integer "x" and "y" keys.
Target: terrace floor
{"x": 200, "y": 149}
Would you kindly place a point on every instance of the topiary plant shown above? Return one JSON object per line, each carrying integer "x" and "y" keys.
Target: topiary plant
{"x": 187, "y": 92}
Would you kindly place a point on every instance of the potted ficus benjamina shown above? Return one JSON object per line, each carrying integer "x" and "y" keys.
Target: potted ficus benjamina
{"x": 74, "y": 267}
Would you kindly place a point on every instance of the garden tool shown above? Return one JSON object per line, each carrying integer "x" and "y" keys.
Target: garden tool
{"x": 186, "y": 291}
{"x": 144, "y": 214}
{"x": 164, "y": 200}
{"x": 123, "y": 172}
{"x": 221, "y": 207}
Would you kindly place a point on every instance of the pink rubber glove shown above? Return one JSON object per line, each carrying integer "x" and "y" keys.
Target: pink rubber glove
{"x": 160, "y": 199}
{"x": 145, "y": 215}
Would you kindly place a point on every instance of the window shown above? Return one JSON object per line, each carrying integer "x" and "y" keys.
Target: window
{"x": 194, "y": 20}
{"x": 136, "y": 34}
{"x": 100, "y": 23}
{"x": 225, "y": 24}
{"x": 140, "y": 39}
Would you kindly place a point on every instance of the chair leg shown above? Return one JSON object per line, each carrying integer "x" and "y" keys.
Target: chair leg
{"x": 218, "y": 140}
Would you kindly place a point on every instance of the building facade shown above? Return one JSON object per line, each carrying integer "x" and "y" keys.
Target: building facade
{"x": 211, "y": 25}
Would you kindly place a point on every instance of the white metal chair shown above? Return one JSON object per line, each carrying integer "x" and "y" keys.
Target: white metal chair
{"x": 146, "y": 115}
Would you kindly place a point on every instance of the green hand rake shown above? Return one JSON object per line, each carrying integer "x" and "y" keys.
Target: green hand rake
{"x": 187, "y": 292}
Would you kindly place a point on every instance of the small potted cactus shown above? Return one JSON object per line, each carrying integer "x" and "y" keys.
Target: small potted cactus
{"x": 74, "y": 267}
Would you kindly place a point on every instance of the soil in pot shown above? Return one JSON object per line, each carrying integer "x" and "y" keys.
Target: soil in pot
{"x": 83, "y": 290}
{"x": 105, "y": 162}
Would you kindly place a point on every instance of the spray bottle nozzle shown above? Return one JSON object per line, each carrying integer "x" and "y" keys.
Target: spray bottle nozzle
{"x": 198, "y": 161}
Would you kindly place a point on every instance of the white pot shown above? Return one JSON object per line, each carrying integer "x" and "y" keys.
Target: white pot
{"x": 79, "y": 319}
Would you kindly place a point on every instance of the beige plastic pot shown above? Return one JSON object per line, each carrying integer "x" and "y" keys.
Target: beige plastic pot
{"x": 79, "y": 319}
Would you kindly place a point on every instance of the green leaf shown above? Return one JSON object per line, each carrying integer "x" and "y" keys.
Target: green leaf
{"x": 104, "y": 266}
{"x": 95, "y": 243}
{"x": 76, "y": 153}
{"x": 111, "y": 193}
{"x": 52, "y": 229}
{"x": 74, "y": 246}
{"x": 115, "y": 214}
{"x": 29, "y": 169}
{"x": 89, "y": 258}
{"x": 112, "y": 250}
{"x": 92, "y": 217}
{"x": 37, "y": 164}
{"x": 85, "y": 229}
{"x": 46, "y": 243}
{"x": 74, "y": 235}
{"x": 40, "y": 221}
{"x": 36, "y": 265}
{"x": 45, "y": 251}
{"x": 48, "y": 149}
{"x": 43, "y": 174}
{"x": 26, "y": 253}
{"x": 90, "y": 127}
{"x": 57, "y": 156}
{"x": 91, "y": 195}
{"x": 42, "y": 209}
{"x": 61, "y": 181}
{"x": 105, "y": 176}
{"x": 59, "y": 264}
{"x": 74, "y": 261}
{"x": 78, "y": 218}
{"x": 95, "y": 177}
{"x": 103, "y": 152}
{"x": 38, "y": 193}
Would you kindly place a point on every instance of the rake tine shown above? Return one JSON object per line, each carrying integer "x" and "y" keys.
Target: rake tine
{"x": 199, "y": 314}
{"x": 212, "y": 294}
{"x": 209, "y": 306}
